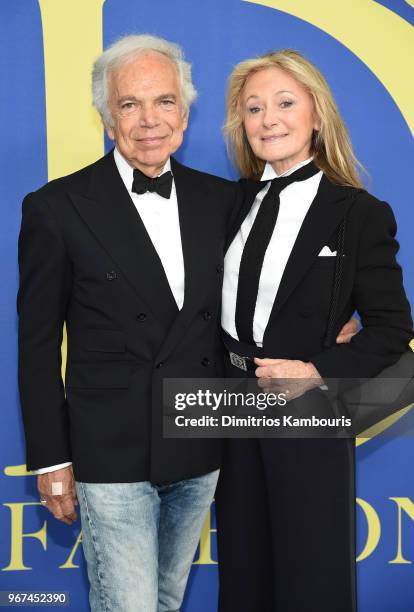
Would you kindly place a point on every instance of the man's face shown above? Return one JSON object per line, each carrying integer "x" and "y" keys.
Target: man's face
{"x": 147, "y": 111}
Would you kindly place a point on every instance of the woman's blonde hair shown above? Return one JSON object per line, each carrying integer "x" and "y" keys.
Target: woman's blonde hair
{"x": 331, "y": 146}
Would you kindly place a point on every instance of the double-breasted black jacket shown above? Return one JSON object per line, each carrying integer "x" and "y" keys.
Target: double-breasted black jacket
{"x": 371, "y": 284}
{"x": 86, "y": 259}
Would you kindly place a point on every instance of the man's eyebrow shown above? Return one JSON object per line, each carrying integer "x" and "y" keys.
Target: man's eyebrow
{"x": 166, "y": 95}
{"x": 124, "y": 98}
{"x": 133, "y": 98}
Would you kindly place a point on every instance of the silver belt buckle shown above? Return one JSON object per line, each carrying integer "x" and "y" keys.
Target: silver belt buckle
{"x": 239, "y": 362}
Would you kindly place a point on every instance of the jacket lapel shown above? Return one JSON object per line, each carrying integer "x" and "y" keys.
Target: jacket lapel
{"x": 324, "y": 215}
{"x": 193, "y": 199}
{"x": 250, "y": 189}
{"x": 112, "y": 217}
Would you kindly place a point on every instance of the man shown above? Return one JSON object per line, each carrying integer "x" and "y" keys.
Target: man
{"x": 136, "y": 275}
{"x": 130, "y": 258}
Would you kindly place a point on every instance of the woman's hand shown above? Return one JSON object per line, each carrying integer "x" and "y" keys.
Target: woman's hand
{"x": 348, "y": 331}
{"x": 290, "y": 376}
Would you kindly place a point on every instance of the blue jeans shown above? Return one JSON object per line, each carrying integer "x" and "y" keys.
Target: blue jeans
{"x": 139, "y": 541}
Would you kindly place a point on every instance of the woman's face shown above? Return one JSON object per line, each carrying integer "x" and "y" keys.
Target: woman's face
{"x": 279, "y": 117}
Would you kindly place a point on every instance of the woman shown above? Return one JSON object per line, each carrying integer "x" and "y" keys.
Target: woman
{"x": 310, "y": 247}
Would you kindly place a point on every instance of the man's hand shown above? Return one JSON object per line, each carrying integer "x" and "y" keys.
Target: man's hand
{"x": 289, "y": 376}
{"x": 59, "y": 491}
{"x": 348, "y": 331}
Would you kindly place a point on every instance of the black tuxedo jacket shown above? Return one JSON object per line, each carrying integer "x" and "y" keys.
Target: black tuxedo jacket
{"x": 86, "y": 259}
{"x": 371, "y": 284}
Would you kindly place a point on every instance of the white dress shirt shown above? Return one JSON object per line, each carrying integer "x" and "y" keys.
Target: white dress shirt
{"x": 295, "y": 201}
{"x": 160, "y": 218}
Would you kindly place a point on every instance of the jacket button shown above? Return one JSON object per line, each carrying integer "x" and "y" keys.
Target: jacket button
{"x": 111, "y": 275}
{"x": 141, "y": 316}
{"x": 207, "y": 315}
{"x": 205, "y": 362}
{"x": 219, "y": 269}
{"x": 160, "y": 364}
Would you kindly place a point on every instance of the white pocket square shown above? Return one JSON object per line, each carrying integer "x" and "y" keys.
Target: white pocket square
{"x": 326, "y": 252}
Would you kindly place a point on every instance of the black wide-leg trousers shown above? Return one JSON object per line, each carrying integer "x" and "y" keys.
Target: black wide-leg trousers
{"x": 286, "y": 525}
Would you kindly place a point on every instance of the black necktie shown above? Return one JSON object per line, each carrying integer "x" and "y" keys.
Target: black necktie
{"x": 255, "y": 248}
{"x": 159, "y": 184}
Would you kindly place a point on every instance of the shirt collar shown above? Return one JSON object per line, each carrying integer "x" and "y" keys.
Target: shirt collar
{"x": 127, "y": 172}
{"x": 269, "y": 173}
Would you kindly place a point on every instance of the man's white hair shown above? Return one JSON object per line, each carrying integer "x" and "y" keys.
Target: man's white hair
{"x": 126, "y": 49}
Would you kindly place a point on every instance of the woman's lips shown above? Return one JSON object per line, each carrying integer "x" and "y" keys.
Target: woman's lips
{"x": 275, "y": 138}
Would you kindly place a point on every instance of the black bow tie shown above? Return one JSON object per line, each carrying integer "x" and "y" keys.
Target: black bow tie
{"x": 159, "y": 184}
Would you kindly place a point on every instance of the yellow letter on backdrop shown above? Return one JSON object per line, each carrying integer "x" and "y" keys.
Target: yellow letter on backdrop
{"x": 403, "y": 503}
{"x": 72, "y": 39}
{"x": 69, "y": 561}
{"x": 205, "y": 543}
{"x": 17, "y": 536}
{"x": 374, "y": 529}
